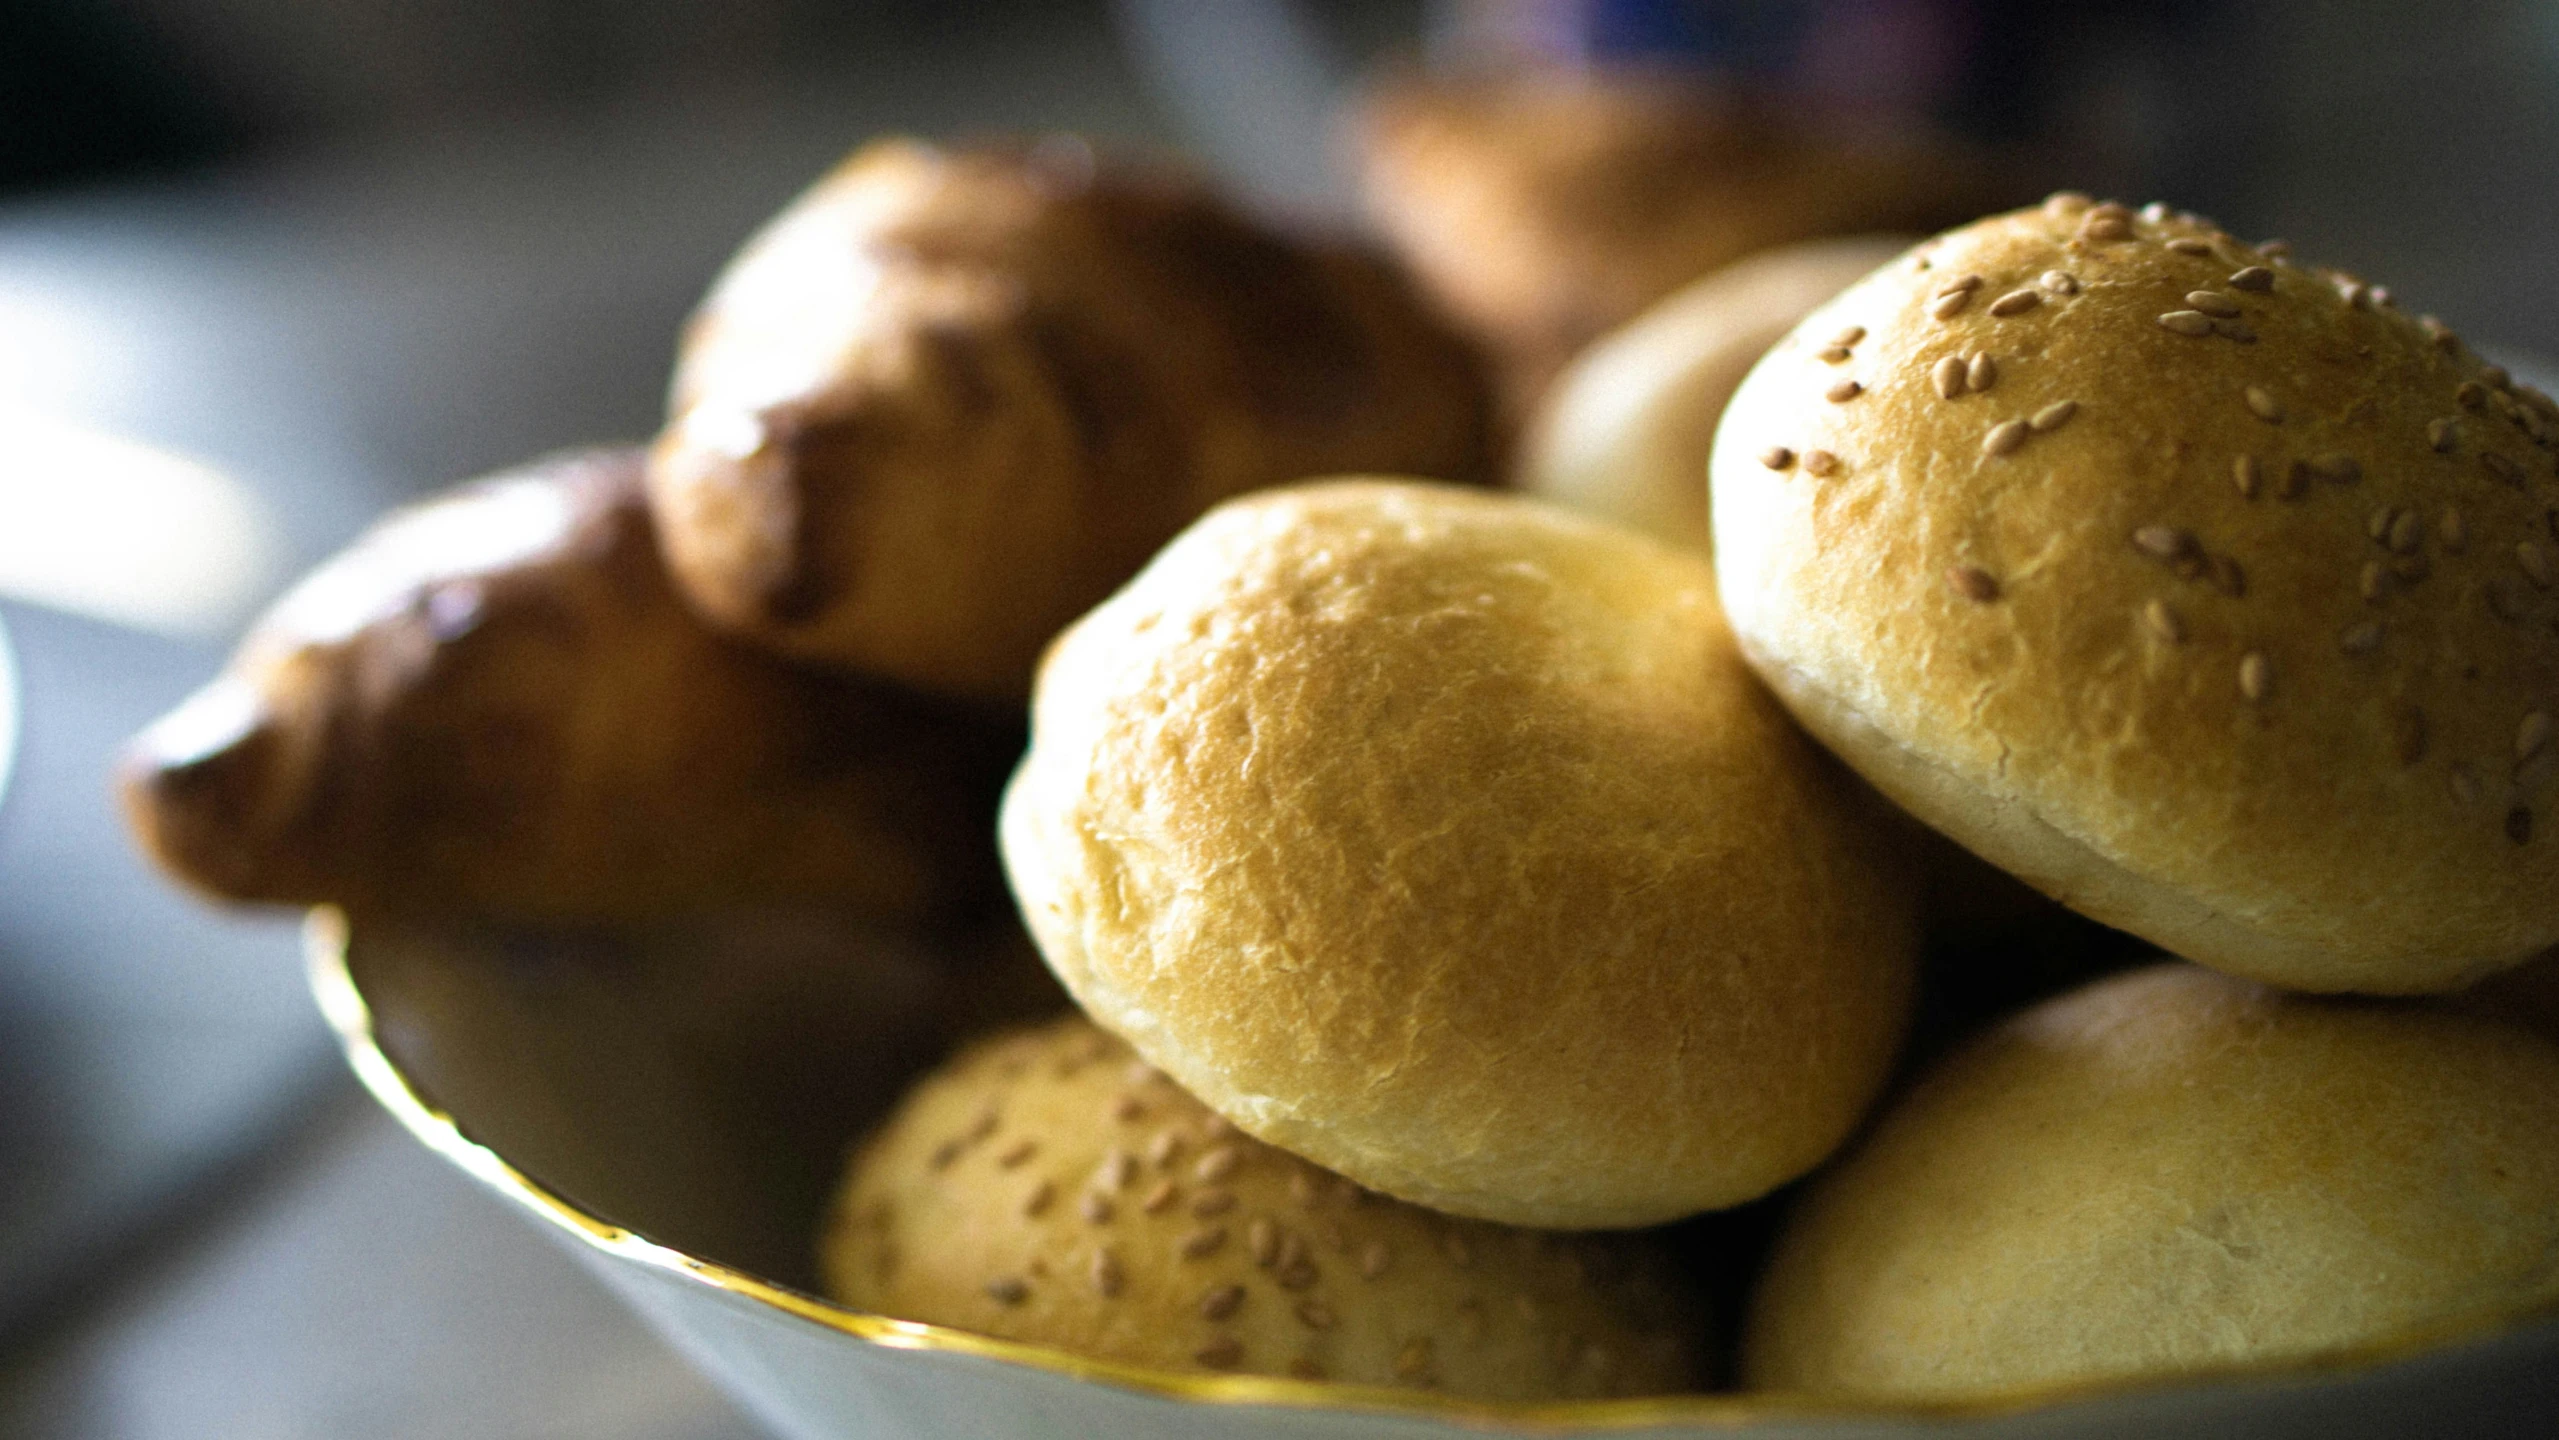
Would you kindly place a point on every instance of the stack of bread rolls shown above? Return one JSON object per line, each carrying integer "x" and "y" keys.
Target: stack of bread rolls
{"x": 1454, "y": 884}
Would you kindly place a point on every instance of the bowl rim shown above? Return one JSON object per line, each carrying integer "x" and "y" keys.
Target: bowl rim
{"x": 327, "y": 935}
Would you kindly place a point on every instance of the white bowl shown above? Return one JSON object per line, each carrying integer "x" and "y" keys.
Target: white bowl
{"x": 698, "y": 1141}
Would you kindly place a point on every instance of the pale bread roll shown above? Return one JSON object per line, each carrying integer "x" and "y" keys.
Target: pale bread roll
{"x": 2166, "y": 1171}
{"x": 2221, "y": 612}
{"x": 1445, "y": 840}
{"x": 1046, "y": 1187}
{"x": 1625, "y": 432}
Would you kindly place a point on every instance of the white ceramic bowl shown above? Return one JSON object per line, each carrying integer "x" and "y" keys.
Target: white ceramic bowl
{"x": 684, "y": 1132}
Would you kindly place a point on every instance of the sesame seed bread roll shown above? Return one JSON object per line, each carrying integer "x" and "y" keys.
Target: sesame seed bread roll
{"x": 2206, "y": 592}
{"x": 1626, "y": 430}
{"x": 2169, "y": 1170}
{"x": 1047, "y": 1187}
{"x": 1444, "y": 839}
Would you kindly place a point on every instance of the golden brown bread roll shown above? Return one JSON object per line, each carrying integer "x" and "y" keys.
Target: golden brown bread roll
{"x": 2204, "y": 591}
{"x": 493, "y": 703}
{"x": 1626, "y": 430}
{"x": 1444, "y": 839}
{"x": 2166, "y": 1171}
{"x": 949, "y": 399}
{"x": 1544, "y": 208}
{"x": 1045, "y": 1187}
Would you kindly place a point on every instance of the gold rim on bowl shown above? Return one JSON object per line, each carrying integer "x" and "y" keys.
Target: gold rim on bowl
{"x": 326, "y": 936}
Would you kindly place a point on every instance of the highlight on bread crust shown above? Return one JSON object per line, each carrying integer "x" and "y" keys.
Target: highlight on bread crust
{"x": 1626, "y": 431}
{"x": 2166, "y": 1171}
{"x": 1543, "y": 208}
{"x": 1445, "y": 840}
{"x": 949, "y": 399}
{"x": 2205, "y": 591}
{"x": 1047, "y": 1187}
{"x": 493, "y": 704}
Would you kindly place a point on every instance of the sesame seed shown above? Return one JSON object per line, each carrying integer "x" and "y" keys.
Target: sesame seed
{"x": 2504, "y": 469}
{"x": 2244, "y": 474}
{"x": 1037, "y": 1202}
{"x": 1301, "y": 1188}
{"x": 1297, "y": 1274}
{"x": 2155, "y": 212}
{"x": 1820, "y": 464}
{"x": 1982, "y": 373}
{"x": 2263, "y": 405}
{"x": 2234, "y": 330}
{"x": 2532, "y": 734}
{"x": 2162, "y": 541}
{"x": 1161, "y": 1198}
{"x": 2016, "y": 302}
{"x": 1960, "y": 285}
{"x": 1833, "y": 355}
{"x": 1374, "y": 1258}
{"x": 1316, "y": 1315}
{"x": 1291, "y": 1252}
{"x": 1217, "y": 1164}
{"x": 1777, "y": 457}
{"x": 2360, "y": 639}
{"x": 2354, "y": 293}
{"x": 2464, "y": 787}
{"x": 1262, "y": 1241}
{"x": 1106, "y": 1272}
{"x": 2228, "y": 578}
{"x": 1118, "y": 1168}
{"x": 1845, "y": 390}
{"x": 2407, "y": 532}
{"x": 2381, "y": 296}
{"x": 2495, "y": 377}
{"x": 2536, "y": 566}
{"x": 2275, "y": 249}
{"x": 2256, "y": 675}
{"x": 1161, "y": 1150}
{"x": 1414, "y": 1360}
{"x": 1220, "y": 1301}
{"x": 1216, "y": 1127}
{"x": 2191, "y": 246}
{"x": 2004, "y": 438}
{"x": 2060, "y": 282}
{"x": 1203, "y": 1242}
{"x": 1223, "y": 1353}
{"x": 1950, "y": 305}
{"x": 1213, "y": 1202}
{"x": 1973, "y": 583}
{"x": 2443, "y": 435}
{"x": 2052, "y": 417}
{"x": 2213, "y": 303}
{"x": 2377, "y": 525}
{"x": 2296, "y": 480}
{"x": 2061, "y": 202}
{"x": 2519, "y": 825}
{"x": 2256, "y": 279}
{"x": 2410, "y": 568}
{"x": 2470, "y": 395}
{"x": 1008, "y": 1290}
{"x": 1097, "y": 1207}
{"x": 1849, "y": 336}
{"x": 945, "y": 1153}
{"x": 1948, "y": 377}
{"x": 2162, "y": 621}
{"x": 2455, "y": 535}
{"x": 2408, "y": 736}
{"x": 1019, "y": 1151}
{"x": 2186, "y": 322}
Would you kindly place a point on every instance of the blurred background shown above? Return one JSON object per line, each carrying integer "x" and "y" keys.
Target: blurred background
{"x": 270, "y": 266}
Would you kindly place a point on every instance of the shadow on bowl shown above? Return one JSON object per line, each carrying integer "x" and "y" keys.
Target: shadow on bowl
{"x": 675, "y": 1106}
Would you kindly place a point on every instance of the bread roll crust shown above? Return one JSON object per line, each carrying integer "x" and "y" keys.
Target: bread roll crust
{"x": 949, "y": 399}
{"x": 1045, "y": 1187}
{"x": 2166, "y": 1171}
{"x": 1445, "y": 840}
{"x": 2219, "y": 615}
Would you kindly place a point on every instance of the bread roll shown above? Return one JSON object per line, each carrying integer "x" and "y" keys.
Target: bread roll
{"x": 1445, "y": 840}
{"x": 2166, "y": 1171}
{"x": 492, "y": 704}
{"x": 1544, "y": 208}
{"x": 1045, "y": 1187}
{"x": 1626, "y": 431}
{"x": 2205, "y": 591}
{"x": 948, "y": 400}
